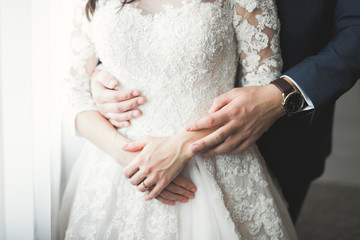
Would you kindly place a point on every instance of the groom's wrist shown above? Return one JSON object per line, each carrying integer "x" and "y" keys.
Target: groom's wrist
{"x": 275, "y": 101}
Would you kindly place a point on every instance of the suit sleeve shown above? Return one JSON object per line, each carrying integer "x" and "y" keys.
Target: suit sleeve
{"x": 327, "y": 75}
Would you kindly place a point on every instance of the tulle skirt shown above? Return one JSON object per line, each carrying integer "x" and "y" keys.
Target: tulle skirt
{"x": 234, "y": 200}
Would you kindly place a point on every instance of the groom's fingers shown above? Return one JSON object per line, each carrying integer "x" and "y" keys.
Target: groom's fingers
{"x": 235, "y": 139}
{"x": 210, "y": 121}
{"x": 165, "y": 201}
{"x": 179, "y": 191}
{"x": 135, "y": 146}
{"x": 221, "y": 101}
{"x": 104, "y": 78}
{"x": 173, "y": 196}
{"x": 242, "y": 147}
{"x": 184, "y": 183}
{"x": 132, "y": 167}
{"x": 121, "y": 107}
{"x": 213, "y": 139}
{"x": 120, "y": 124}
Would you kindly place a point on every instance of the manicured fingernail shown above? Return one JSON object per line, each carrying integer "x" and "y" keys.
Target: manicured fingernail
{"x": 191, "y": 196}
{"x": 187, "y": 128}
{"x": 136, "y": 93}
{"x": 147, "y": 198}
{"x": 141, "y": 101}
{"x": 194, "y": 148}
{"x": 124, "y": 146}
{"x": 193, "y": 189}
{"x": 136, "y": 114}
{"x": 113, "y": 83}
{"x": 126, "y": 124}
{"x": 184, "y": 201}
{"x": 171, "y": 203}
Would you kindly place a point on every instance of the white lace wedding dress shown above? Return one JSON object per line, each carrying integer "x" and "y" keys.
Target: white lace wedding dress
{"x": 181, "y": 54}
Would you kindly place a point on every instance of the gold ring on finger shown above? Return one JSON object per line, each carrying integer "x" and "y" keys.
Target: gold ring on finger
{"x": 146, "y": 187}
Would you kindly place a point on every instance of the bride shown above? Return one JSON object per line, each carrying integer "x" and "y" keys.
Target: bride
{"x": 181, "y": 54}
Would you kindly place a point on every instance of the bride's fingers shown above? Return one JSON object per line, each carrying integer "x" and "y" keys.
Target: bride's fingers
{"x": 147, "y": 185}
{"x": 137, "y": 178}
{"x": 165, "y": 201}
{"x": 132, "y": 167}
{"x": 156, "y": 190}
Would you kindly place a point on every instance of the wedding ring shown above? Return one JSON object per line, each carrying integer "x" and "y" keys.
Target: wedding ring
{"x": 146, "y": 187}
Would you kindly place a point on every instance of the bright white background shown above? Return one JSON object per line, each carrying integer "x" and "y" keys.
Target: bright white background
{"x": 33, "y": 43}
{"x": 36, "y": 151}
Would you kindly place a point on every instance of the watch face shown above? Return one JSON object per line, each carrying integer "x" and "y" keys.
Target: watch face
{"x": 293, "y": 102}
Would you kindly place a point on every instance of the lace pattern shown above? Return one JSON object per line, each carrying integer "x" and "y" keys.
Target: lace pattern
{"x": 82, "y": 61}
{"x": 181, "y": 56}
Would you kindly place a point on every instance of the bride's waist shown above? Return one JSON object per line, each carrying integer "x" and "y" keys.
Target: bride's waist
{"x": 162, "y": 120}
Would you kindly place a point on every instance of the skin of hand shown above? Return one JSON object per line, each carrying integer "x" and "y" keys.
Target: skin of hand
{"x": 107, "y": 138}
{"x": 243, "y": 115}
{"x": 179, "y": 190}
{"x": 160, "y": 161}
{"x": 118, "y": 106}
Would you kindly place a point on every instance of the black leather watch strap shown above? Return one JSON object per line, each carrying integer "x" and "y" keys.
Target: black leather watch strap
{"x": 283, "y": 85}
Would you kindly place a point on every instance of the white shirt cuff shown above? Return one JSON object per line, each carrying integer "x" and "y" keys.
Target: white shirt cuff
{"x": 310, "y": 105}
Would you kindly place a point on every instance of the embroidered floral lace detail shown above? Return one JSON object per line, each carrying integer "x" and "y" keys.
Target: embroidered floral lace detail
{"x": 181, "y": 55}
{"x": 82, "y": 61}
{"x": 240, "y": 179}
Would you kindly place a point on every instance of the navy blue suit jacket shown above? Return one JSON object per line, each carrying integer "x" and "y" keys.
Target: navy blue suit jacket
{"x": 320, "y": 43}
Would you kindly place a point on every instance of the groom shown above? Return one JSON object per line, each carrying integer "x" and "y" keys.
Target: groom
{"x": 320, "y": 42}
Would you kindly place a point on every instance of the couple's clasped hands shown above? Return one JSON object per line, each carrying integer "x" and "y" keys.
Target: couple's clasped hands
{"x": 236, "y": 119}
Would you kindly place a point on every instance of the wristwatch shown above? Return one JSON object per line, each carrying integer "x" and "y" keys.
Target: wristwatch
{"x": 293, "y": 101}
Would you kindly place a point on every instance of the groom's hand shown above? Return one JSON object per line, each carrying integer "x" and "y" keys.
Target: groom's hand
{"x": 119, "y": 106}
{"x": 242, "y": 115}
{"x": 179, "y": 190}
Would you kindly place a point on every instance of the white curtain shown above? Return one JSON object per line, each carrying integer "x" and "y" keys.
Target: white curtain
{"x": 32, "y": 42}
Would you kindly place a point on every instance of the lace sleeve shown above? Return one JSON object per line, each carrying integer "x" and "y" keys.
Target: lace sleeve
{"x": 81, "y": 63}
{"x": 257, "y": 31}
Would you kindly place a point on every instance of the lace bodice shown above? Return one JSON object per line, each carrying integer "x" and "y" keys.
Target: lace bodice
{"x": 180, "y": 53}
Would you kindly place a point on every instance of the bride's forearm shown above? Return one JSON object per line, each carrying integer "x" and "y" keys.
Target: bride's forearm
{"x": 95, "y": 128}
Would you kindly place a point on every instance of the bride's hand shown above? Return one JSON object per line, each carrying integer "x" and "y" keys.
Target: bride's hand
{"x": 160, "y": 161}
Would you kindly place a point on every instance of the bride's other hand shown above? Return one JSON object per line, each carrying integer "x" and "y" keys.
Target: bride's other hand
{"x": 160, "y": 161}
{"x": 243, "y": 115}
{"x": 117, "y": 105}
{"x": 179, "y": 190}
